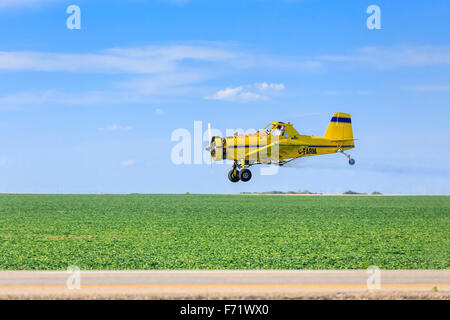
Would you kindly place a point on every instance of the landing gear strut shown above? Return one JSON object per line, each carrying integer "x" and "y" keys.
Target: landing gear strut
{"x": 350, "y": 160}
{"x": 234, "y": 175}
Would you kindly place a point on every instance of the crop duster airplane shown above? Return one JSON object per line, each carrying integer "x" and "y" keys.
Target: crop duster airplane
{"x": 279, "y": 143}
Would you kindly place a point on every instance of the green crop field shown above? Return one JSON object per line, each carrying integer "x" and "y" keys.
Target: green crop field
{"x": 50, "y": 232}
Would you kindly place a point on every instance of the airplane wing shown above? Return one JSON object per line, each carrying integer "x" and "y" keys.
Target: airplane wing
{"x": 264, "y": 156}
{"x": 254, "y": 153}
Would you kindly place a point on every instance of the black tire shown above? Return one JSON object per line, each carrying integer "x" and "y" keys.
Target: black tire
{"x": 232, "y": 177}
{"x": 245, "y": 175}
{"x": 351, "y": 162}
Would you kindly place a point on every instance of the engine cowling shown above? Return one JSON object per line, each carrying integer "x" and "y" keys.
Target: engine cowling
{"x": 217, "y": 149}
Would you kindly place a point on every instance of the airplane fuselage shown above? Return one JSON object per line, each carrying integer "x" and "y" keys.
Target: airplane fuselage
{"x": 280, "y": 144}
{"x": 245, "y": 147}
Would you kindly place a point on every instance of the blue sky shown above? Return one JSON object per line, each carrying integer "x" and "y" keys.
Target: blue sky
{"x": 93, "y": 110}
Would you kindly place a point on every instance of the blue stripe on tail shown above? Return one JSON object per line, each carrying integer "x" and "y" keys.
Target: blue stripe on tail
{"x": 340, "y": 119}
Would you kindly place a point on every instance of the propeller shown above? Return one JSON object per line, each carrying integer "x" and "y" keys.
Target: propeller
{"x": 210, "y": 142}
{"x": 209, "y": 132}
{"x": 209, "y": 147}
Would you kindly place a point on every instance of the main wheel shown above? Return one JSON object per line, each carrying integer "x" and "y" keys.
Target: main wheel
{"x": 245, "y": 175}
{"x": 351, "y": 162}
{"x": 232, "y": 177}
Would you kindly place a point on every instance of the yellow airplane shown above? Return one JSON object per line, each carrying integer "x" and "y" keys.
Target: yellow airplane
{"x": 279, "y": 143}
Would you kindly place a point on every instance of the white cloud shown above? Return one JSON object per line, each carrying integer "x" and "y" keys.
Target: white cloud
{"x": 52, "y": 96}
{"x": 169, "y": 58}
{"x": 165, "y": 83}
{"x": 146, "y": 60}
{"x": 246, "y": 93}
{"x": 139, "y": 90}
{"x": 23, "y": 3}
{"x": 182, "y": 69}
{"x": 13, "y": 101}
{"x": 235, "y": 94}
{"x": 431, "y": 88}
{"x": 7, "y": 108}
{"x": 159, "y": 111}
{"x": 348, "y": 92}
{"x": 128, "y": 163}
{"x": 154, "y": 60}
{"x": 31, "y": 3}
{"x": 116, "y": 127}
{"x": 269, "y": 86}
{"x": 4, "y": 161}
{"x": 393, "y": 57}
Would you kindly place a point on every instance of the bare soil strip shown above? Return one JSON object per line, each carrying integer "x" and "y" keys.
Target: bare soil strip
{"x": 230, "y": 284}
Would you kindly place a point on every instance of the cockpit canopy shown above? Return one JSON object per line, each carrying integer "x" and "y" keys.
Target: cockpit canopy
{"x": 281, "y": 129}
{"x": 275, "y": 129}
{"x": 278, "y": 130}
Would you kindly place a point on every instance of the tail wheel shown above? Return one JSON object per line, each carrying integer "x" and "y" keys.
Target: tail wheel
{"x": 245, "y": 175}
{"x": 351, "y": 162}
{"x": 232, "y": 177}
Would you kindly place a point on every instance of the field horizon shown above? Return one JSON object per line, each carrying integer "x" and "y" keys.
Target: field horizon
{"x": 231, "y": 194}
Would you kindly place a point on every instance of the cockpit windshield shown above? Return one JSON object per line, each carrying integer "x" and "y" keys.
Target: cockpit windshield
{"x": 278, "y": 131}
{"x": 275, "y": 130}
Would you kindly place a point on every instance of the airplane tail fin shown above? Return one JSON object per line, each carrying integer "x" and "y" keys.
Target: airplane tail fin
{"x": 340, "y": 128}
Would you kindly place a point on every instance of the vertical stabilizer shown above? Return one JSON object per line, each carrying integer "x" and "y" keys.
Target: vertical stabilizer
{"x": 340, "y": 127}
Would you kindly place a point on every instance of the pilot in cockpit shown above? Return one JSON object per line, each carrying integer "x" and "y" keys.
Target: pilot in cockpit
{"x": 278, "y": 131}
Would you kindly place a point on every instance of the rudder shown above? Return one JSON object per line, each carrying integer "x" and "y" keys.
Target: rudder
{"x": 340, "y": 127}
